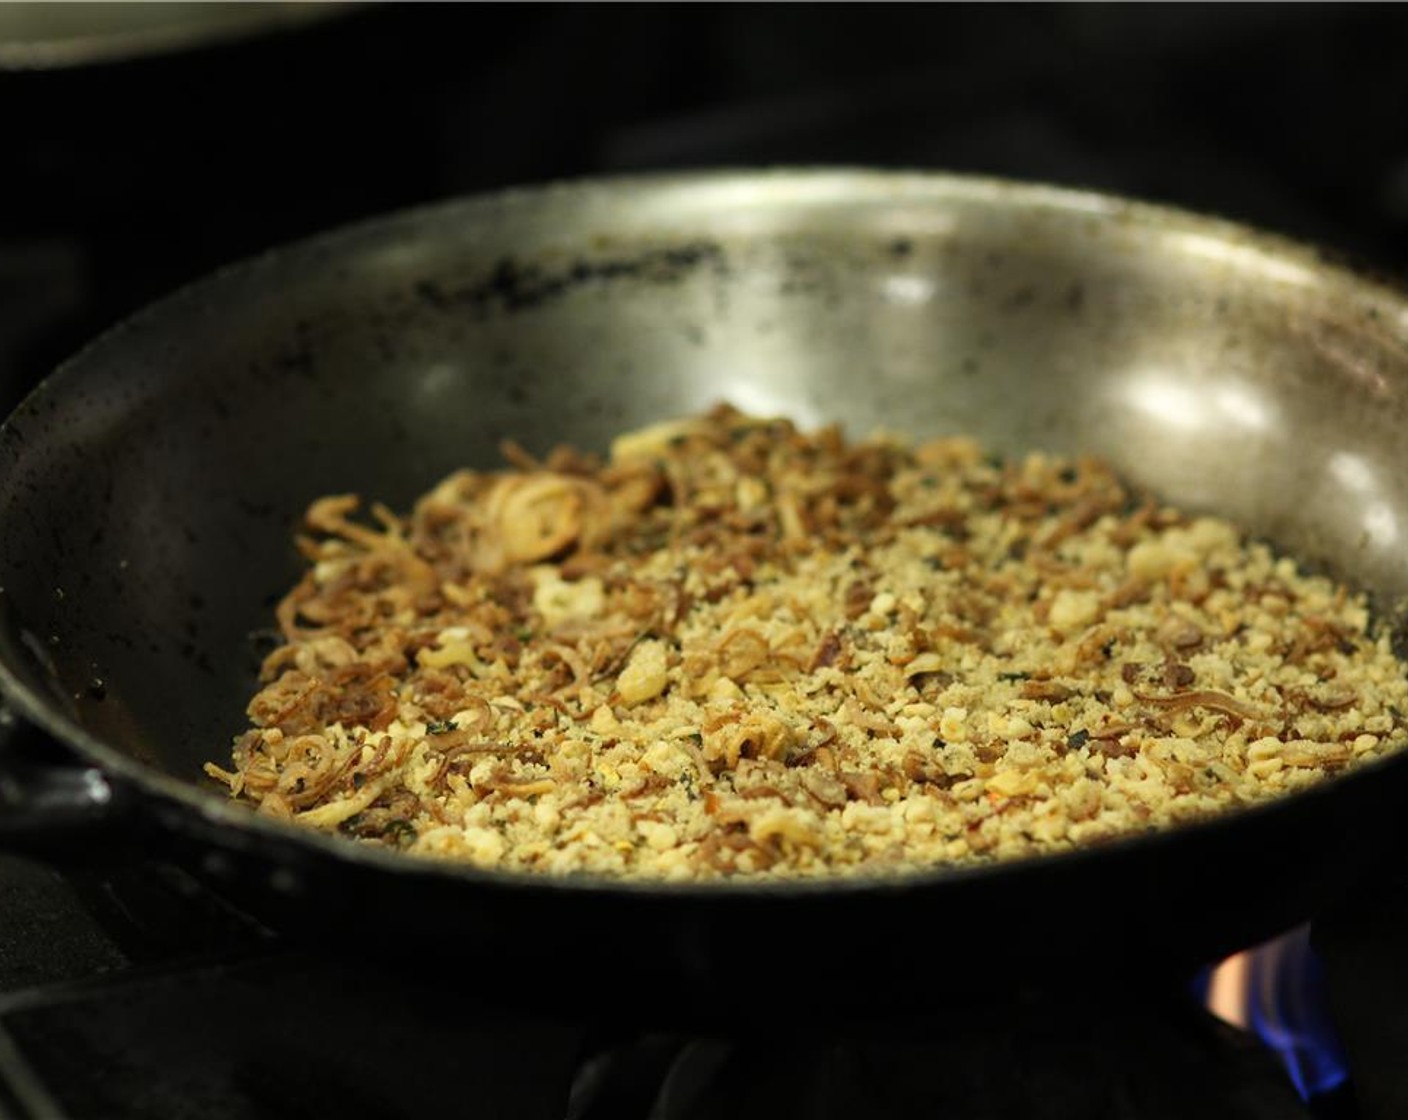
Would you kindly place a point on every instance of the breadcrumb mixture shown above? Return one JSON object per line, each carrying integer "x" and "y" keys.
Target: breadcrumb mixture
{"x": 732, "y": 648}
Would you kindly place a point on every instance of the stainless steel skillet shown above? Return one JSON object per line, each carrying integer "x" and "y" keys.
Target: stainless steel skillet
{"x": 148, "y": 489}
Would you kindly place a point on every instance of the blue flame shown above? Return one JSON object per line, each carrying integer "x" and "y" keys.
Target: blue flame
{"x": 1288, "y": 1009}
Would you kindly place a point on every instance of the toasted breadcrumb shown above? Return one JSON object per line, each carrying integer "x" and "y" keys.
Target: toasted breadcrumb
{"x": 734, "y": 649}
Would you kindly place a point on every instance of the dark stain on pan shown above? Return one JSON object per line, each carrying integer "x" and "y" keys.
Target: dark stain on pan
{"x": 434, "y": 296}
{"x": 121, "y": 638}
{"x": 198, "y": 657}
{"x": 297, "y": 360}
{"x": 386, "y": 347}
{"x": 256, "y": 509}
{"x": 1392, "y": 619}
{"x": 1022, "y": 298}
{"x": 517, "y": 286}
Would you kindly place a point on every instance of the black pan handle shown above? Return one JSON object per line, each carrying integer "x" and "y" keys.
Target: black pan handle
{"x": 53, "y": 805}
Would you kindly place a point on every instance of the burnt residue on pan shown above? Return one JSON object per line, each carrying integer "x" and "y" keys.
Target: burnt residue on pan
{"x": 518, "y": 285}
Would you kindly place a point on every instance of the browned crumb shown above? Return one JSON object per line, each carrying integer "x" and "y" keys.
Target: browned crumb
{"x": 734, "y": 648}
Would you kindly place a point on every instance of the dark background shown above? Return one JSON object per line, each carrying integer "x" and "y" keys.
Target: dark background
{"x": 119, "y": 182}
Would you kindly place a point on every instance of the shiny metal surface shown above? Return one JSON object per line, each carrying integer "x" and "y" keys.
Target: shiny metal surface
{"x": 1226, "y": 369}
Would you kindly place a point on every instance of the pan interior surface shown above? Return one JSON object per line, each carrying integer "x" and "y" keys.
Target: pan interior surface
{"x": 149, "y": 491}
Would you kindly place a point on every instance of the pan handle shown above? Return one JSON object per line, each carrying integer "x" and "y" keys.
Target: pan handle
{"x": 53, "y": 806}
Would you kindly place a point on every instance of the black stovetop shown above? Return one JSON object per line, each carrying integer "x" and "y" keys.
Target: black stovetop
{"x": 127, "y": 993}
{"x": 133, "y": 994}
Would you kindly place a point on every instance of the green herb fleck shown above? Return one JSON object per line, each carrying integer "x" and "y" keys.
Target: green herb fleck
{"x": 441, "y": 727}
{"x": 1078, "y": 739}
{"x": 401, "y": 833}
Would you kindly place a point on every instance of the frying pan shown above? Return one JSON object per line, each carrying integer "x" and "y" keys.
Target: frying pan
{"x": 148, "y": 491}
